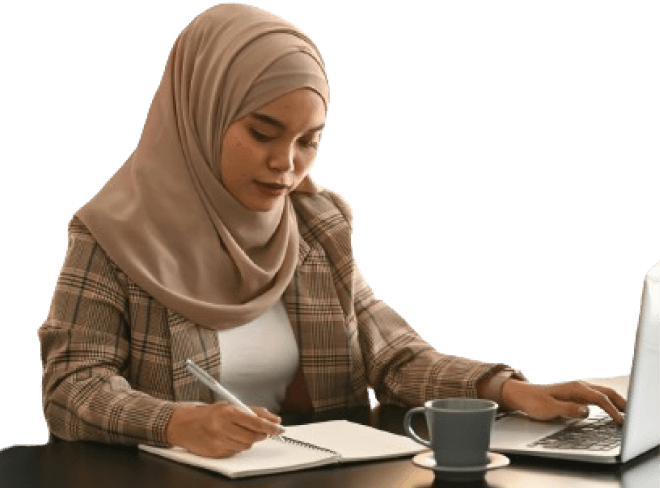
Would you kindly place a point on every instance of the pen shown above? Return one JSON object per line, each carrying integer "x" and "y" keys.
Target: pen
{"x": 217, "y": 388}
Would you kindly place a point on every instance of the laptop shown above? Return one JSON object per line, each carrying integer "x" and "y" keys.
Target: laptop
{"x": 516, "y": 434}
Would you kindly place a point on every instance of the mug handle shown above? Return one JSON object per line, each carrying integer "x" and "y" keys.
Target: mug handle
{"x": 408, "y": 427}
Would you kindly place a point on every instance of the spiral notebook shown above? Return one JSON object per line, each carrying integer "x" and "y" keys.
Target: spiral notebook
{"x": 302, "y": 447}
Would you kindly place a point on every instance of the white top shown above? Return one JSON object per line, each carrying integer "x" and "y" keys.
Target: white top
{"x": 258, "y": 360}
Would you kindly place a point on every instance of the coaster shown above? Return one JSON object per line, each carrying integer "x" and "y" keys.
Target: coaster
{"x": 467, "y": 473}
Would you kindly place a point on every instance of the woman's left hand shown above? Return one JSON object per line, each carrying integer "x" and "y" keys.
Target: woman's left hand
{"x": 547, "y": 402}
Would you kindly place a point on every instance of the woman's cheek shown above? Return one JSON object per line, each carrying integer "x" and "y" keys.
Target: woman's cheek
{"x": 309, "y": 166}
{"x": 252, "y": 156}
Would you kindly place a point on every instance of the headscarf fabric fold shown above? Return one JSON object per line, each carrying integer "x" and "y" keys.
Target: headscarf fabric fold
{"x": 165, "y": 217}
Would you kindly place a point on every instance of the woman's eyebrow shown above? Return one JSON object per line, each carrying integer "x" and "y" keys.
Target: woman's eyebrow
{"x": 267, "y": 119}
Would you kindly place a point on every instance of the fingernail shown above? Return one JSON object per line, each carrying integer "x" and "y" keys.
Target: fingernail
{"x": 584, "y": 412}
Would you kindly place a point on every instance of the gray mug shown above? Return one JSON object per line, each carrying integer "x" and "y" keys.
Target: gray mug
{"x": 459, "y": 430}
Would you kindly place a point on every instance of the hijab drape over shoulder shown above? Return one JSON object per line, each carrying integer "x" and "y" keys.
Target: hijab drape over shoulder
{"x": 165, "y": 218}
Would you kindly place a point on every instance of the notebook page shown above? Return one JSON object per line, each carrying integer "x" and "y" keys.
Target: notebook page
{"x": 354, "y": 442}
{"x": 268, "y": 456}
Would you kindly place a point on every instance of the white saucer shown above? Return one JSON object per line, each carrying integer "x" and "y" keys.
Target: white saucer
{"x": 426, "y": 460}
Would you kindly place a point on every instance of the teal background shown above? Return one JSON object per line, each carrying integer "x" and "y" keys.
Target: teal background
{"x": 501, "y": 160}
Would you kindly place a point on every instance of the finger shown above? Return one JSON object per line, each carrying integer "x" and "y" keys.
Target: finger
{"x": 570, "y": 410}
{"x": 584, "y": 393}
{"x": 251, "y": 435}
{"x": 551, "y": 408}
{"x": 255, "y": 423}
{"x": 240, "y": 438}
{"x": 618, "y": 401}
{"x": 264, "y": 413}
{"x": 229, "y": 421}
{"x": 270, "y": 418}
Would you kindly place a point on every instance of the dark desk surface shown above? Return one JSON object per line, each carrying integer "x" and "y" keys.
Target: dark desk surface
{"x": 90, "y": 465}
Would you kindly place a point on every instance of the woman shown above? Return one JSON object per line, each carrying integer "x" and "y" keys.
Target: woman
{"x": 212, "y": 243}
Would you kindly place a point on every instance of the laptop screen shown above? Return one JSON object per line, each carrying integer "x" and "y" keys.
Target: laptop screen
{"x": 641, "y": 430}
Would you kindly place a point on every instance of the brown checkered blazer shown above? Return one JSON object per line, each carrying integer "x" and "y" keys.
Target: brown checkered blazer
{"x": 114, "y": 357}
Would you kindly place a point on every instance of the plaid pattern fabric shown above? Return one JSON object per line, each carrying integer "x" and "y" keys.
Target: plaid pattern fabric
{"x": 114, "y": 357}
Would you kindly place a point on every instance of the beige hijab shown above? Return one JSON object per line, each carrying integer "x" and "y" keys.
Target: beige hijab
{"x": 165, "y": 218}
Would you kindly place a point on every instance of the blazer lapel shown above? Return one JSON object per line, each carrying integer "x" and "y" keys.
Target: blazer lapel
{"x": 318, "y": 322}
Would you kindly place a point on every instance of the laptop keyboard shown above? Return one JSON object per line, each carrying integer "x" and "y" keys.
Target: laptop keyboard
{"x": 599, "y": 433}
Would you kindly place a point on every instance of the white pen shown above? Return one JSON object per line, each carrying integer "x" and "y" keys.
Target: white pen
{"x": 217, "y": 388}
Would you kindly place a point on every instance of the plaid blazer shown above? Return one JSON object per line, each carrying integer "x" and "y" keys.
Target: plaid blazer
{"x": 113, "y": 356}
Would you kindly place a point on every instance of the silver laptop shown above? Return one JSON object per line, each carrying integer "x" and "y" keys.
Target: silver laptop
{"x": 516, "y": 434}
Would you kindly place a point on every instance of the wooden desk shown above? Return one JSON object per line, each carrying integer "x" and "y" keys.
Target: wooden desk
{"x": 91, "y": 465}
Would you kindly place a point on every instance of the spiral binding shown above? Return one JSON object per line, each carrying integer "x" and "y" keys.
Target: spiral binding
{"x": 296, "y": 442}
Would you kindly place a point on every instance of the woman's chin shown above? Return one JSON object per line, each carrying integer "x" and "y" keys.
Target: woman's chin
{"x": 263, "y": 203}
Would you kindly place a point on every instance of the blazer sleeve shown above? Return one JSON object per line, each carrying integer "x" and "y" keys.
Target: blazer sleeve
{"x": 85, "y": 351}
{"x": 400, "y": 366}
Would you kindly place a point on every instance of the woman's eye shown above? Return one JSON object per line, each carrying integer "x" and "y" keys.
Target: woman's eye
{"x": 309, "y": 144}
{"x": 260, "y": 136}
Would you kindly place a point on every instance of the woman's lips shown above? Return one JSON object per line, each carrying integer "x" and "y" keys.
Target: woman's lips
{"x": 272, "y": 189}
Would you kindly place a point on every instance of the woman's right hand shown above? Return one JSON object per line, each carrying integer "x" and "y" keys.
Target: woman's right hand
{"x": 219, "y": 429}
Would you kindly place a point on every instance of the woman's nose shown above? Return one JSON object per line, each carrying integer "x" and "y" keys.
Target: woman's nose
{"x": 282, "y": 160}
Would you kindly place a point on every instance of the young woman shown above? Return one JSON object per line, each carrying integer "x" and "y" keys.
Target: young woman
{"x": 212, "y": 243}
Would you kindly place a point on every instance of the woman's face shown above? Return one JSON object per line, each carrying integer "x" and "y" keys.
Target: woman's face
{"x": 267, "y": 153}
